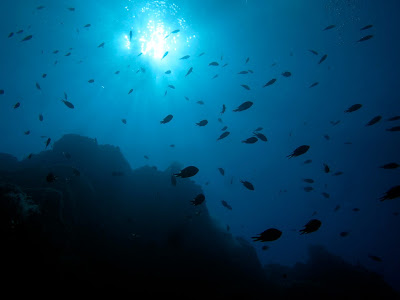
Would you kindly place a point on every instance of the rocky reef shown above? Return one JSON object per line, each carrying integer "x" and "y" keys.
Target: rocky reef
{"x": 98, "y": 225}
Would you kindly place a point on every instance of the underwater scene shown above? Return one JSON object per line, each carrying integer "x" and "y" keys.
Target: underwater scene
{"x": 241, "y": 149}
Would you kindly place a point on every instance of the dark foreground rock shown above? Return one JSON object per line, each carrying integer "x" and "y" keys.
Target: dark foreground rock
{"x": 101, "y": 226}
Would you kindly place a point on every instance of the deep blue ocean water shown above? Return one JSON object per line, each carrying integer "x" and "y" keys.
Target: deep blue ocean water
{"x": 275, "y": 37}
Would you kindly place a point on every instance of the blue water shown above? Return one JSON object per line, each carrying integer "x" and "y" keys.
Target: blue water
{"x": 276, "y": 37}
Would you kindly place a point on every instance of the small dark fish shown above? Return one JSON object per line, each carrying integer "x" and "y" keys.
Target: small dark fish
{"x": 27, "y": 132}
{"x": 258, "y": 129}
{"x": 223, "y": 109}
{"x": 68, "y": 104}
{"x": 392, "y": 193}
{"x": 145, "y": 156}
{"x": 374, "y": 121}
{"x": 185, "y": 57}
{"x": 224, "y": 65}
{"x": 243, "y": 72}
{"x": 165, "y": 94}
{"x": 272, "y": 81}
{"x": 165, "y": 54}
{"x": 312, "y": 226}
{"x": 308, "y": 161}
{"x": 214, "y": 63}
{"x": 171, "y": 86}
{"x": 260, "y": 136}
{"x": 123, "y": 121}
{"x": 51, "y": 177}
{"x": 221, "y": 171}
{"x": 366, "y": 27}
{"x": 173, "y": 180}
{"x": 308, "y": 180}
{"x": 269, "y": 235}
{"x": 30, "y": 155}
{"x": 314, "y": 84}
{"x": 130, "y": 91}
{"x": 40, "y": 7}
{"x": 389, "y": 166}
{"x": 167, "y": 119}
{"x": 224, "y": 128}
{"x": 38, "y": 86}
{"x": 16, "y": 105}
{"x": 199, "y": 199}
{"x": 202, "y": 123}
{"x": 200, "y": 102}
{"x": 225, "y": 204}
{"x": 344, "y": 233}
{"x": 326, "y": 168}
{"x": 323, "y": 58}
{"x": 55, "y": 51}
{"x": 116, "y": 72}
{"x": 251, "y": 71}
{"x": 87, "y": 25}
{"x": 224, "y": 135}
{"x": 353, "y": 108}
{"x": 130, "y": 36}
{"x": 313, "y": 51}
{"x": 264, "y": 248}
{"x": 44, "y": 75}
{"x": 395, "y": 118}
{"x": 189, "y": 71}
{"x": 201, "y": 54}
{"x": 286, "y": 74}
{"x": 308, "y": 188}
{"x": 67, "y": 155}
{"x": 11, "y": 34}
{"x": 167, "y": 72}
{"x": 76, "y": 172}
{"x": 68, "y": 54}
{"x": 329, "y": 27}
{"x": 395, "y": 128}
{"x": 365, "y": 38}
{"x": 248, "y": 185}
{"x": 117, "y": 173}
{"x": 337, "y": 173}
{"x": 140, "y": 54}
{"x": 250, "y": 140}
{"x": 326, "y": 195}
{"x": 91, "y": 80}
{"x": 299, "y": 151}
{"x": 187, "y": 172}
{"x": 337, "y": 207}
{"x": 220, "y": 120}
{"x": 215, "y": 76}
{"x": 334, "y": 123}
{"x": 175, "y": 31}
{"x": 71, "y": 8}
{"x": 48, "y": 142}
{"x": 375, "y": 258}
{"x": 355, "y": 209}
{"x": 143, "y": 70}
{"x": 187, "y": 98}
{"x": 172, "y": 146}
{"x": 327, "y": 137}
{"x": 247, "y": 60}
{"x": 245, "y": 86}
{"x": 101, "y": 45}
{"x": 244, "y": 106}
{"x": 40, "y": 117}
{"x": 20, "y": 31}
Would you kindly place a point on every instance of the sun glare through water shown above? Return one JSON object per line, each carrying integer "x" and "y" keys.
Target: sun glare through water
{"x": 156, "y": 28}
